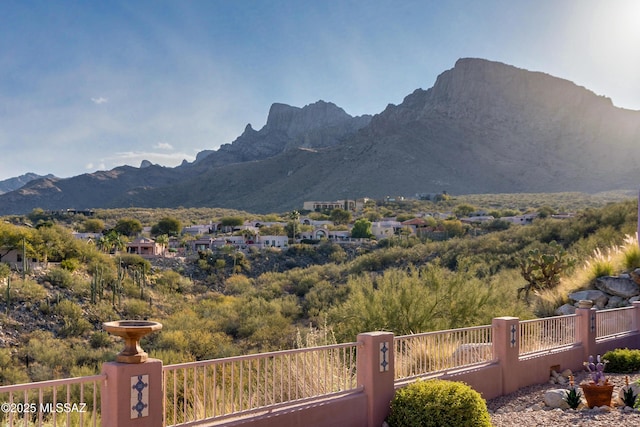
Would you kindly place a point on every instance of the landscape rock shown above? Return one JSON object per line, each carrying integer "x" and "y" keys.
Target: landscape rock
{"x": 598, "y": 297}
{"x": 616, "y": 301}
{"x": 565, "y": 309}
{"x": 555, "y": 398}
{"x": 620, "y": 286}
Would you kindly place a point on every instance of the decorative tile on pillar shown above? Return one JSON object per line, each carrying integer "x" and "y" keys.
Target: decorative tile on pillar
{"x": 514, "y": 338}
{"x": 384, "y": 352}
{"x": 139, "y": 396}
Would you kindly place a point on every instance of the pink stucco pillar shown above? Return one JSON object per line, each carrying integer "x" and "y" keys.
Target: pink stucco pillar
{"x": 132, "y": 394}
{"x": 586, "y": 333}
{"x": 506, "y": 348}
{"x": 375, "y": 371}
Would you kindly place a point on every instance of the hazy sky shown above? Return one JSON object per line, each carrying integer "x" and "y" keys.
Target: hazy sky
{"x": 90, "y": 85}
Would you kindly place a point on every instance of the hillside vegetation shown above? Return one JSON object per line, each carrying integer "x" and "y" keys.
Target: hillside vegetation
{"x": 222, "y": 304}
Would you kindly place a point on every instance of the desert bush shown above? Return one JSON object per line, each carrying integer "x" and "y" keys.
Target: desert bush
{"x": 623, "y": 360}
{"x": 136, "y": 309}
{"x": 169, "y": 281}
{"x": 438, "y": 403}
{"x": 100, "y": 339}
{"x": 61, "y": 278}
{"x": 238, "y": 284}
{"x": 70, "y": 264}
{"x": 75, "y": 323}
{"x": 135, "y": 261}
{"x": 27, "y": 290}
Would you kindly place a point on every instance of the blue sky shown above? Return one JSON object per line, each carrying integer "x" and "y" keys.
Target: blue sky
{"x": 88, "y": 85}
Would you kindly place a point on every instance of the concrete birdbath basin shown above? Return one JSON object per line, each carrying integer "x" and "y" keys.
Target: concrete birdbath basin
{"x": 132, "y": 331}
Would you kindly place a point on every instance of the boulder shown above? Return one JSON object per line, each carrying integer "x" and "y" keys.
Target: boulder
{"x": 616, "y": 301}
{"x": 565, "y": 310}
{"x": 555, "y": 398}
{"x": 566, "y": 373}
{"x": 622, "y": 286}
{"x": 599, "y": 298}
{"x": 635, "y": 275}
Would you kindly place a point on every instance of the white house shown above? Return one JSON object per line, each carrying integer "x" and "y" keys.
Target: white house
{"x": 273, "y": 241}
{"x": 520, "y": 219}
{"x": 384, "y": 229}
{"x": 198, "y": 229}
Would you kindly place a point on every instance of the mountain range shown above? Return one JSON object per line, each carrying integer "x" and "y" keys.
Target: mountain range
{"x": 484, "y": 127}
{"x": 19, "y": 181}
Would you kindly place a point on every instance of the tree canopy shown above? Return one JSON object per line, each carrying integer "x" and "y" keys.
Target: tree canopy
{"x": 168, "y": 225}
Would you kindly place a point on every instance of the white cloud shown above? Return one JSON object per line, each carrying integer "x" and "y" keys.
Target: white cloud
{"x": 163, "y": 146}
{"x": 99, "y": 100}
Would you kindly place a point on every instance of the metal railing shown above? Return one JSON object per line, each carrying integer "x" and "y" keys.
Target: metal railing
{"x": 547, "y": 334}
{"x": 437, "y": 351}
{"x": 614, "y": 322}
{"x": 66, "y": 402}
{"x": 238, "y": 385}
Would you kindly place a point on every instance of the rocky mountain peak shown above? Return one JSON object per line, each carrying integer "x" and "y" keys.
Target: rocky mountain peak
{"x": 19, "y": 181}
{"x": 295, "y": 121}
{"x": 475, "y": 86}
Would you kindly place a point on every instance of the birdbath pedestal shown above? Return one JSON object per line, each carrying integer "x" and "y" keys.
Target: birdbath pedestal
{"x": 132, "y": 331}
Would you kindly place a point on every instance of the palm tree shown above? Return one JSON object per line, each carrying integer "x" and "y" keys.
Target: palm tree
{"x": 294, "y": 216}
{"x": 163, "y": 241}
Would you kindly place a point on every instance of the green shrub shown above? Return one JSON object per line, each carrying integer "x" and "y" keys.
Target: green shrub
{"x": 438, "y": 403}
{"x": 61, "y": 278}
{"x": 623, "y": 360}
{"x": 100, "y": 339}
{"x": 136, "y": 309}
{"x": 70, "y": 264}
{"x": 74, "y": 322}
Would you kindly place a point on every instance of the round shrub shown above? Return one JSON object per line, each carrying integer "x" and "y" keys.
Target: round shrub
{"x": 622, "y": 360}
{"x": 438, "y": 403}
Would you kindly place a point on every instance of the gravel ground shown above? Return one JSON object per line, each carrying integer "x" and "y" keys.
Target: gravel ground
{"x": 526, "y": 408}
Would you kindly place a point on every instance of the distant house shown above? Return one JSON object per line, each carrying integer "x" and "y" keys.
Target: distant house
{"x": 520, "y": 219}
{"x": 198, "y": 230}
{"x": 354, "y": 205}
{"x": 315, "y": 223}
{"x": 88, "y": 237}
{"x": 15, "y": 260}
{"x": 145, "y": 247}
{"x": 273, "y": 241}
{"x": 477, "y": 219}
{"x": 323, "y": 233}
{"x": 202, "y": 244}
{"x": 386, "y": 228}
{"x": 418, "y": 226}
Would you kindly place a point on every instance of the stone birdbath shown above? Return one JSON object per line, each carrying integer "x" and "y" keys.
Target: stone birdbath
{"x": 132, "y": 331}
